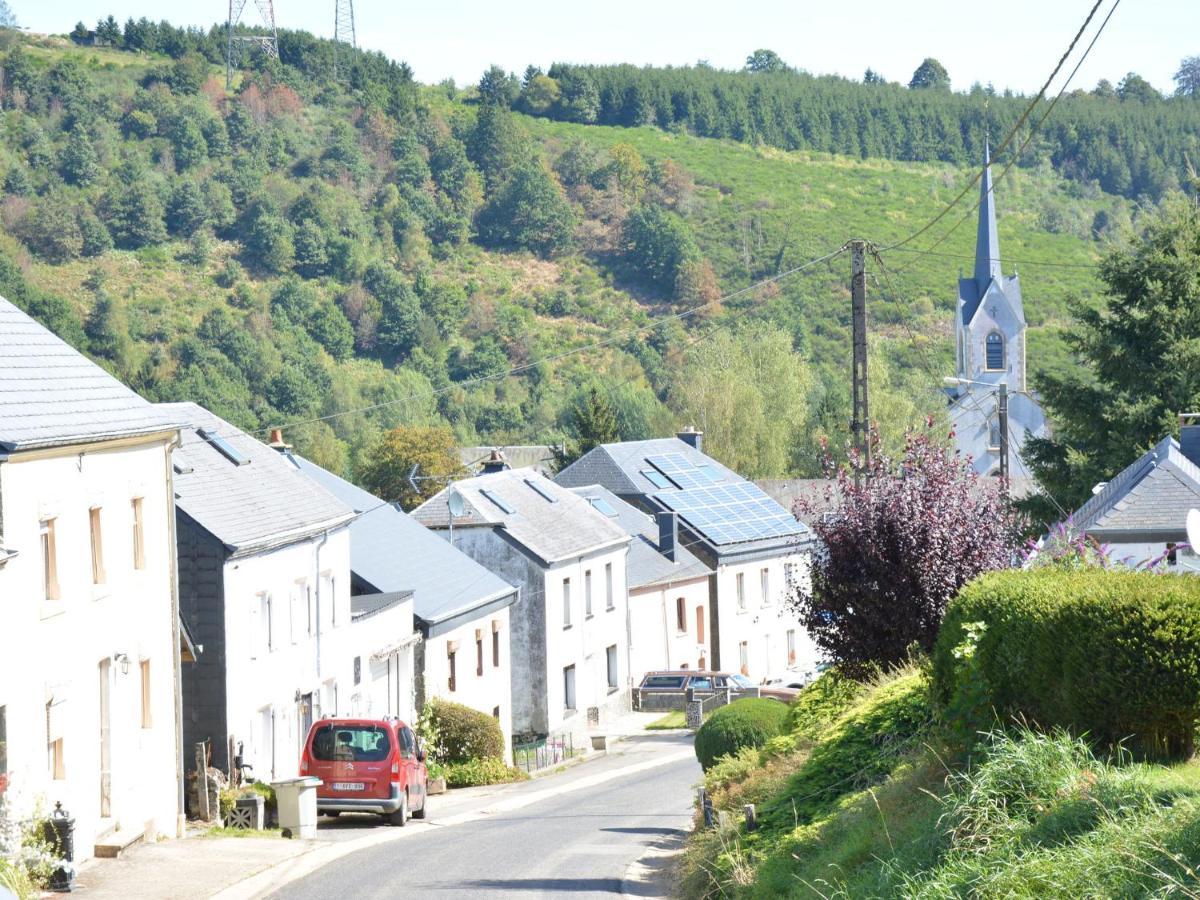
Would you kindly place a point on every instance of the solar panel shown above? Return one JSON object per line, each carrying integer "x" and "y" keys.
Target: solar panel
{"x": 729, "y": 513}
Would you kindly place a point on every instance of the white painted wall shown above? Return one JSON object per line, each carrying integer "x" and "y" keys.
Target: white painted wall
{"x": 384, "y": 645}
{"x": 485, "y": 691}
{"x": 263, "y": 682}
{"x": 657, "y": 642}
{"x": 762, "y": 622}
{"x": 50, "y": 650}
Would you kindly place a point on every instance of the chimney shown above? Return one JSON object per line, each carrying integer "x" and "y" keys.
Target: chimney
{"x": 691, "y": 437}
{"x": 668, "y": 534}
{"x": 494, "y": 463}
{"x": 276, "y": 443}
{"x": 1189, "y": 436}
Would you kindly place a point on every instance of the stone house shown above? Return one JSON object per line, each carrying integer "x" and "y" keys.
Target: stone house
{"x": 89, "y": 648}
{"x": 570, "y": 623}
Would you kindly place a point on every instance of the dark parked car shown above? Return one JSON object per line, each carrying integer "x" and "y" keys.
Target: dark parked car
{"x": 367, "y": 765}
{"x": 679, "y": 680}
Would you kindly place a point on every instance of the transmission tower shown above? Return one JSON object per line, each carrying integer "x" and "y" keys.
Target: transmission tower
{"x": 268, "y": 43}
{"x": 343, "y": 27}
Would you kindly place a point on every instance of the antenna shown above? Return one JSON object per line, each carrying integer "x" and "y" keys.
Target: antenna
{"x": 268, "y": 43}
{"x": 343, "y": 28}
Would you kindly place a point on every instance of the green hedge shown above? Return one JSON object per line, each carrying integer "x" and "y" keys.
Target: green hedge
{"x": 477, "y": 772}
{"x": 1114, "y": 655}
{"x": 749, "y": 722}
{"x": 465, "y": 734}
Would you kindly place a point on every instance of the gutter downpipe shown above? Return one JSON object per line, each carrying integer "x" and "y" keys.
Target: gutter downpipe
{"x": 317, "y": 573}
{"x": 176, "y": 661}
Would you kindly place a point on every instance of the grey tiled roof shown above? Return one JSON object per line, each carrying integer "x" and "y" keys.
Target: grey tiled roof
{"x": 263, "y": 504}
{"x": 51, "y": 394}
{"x": 1147, "y": 501}
{"x": 391, "y": 551}
{"x": 553, "y": 530}
{"x": 646, "y": 566}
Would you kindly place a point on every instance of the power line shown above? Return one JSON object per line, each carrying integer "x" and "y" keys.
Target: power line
{"x": 1008, "y": 138}
{"x": 1017, "y": 261}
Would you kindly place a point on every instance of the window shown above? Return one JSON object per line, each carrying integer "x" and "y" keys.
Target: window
{"x": 994, "y": 435}
{"x": 765, "y": 579}
{"x": 263, "y": 612}
{"x": 569, "y": 688}
{"x": 566, "y": 594}
{"x": 612, "y": 668}
{"x": 791, "y": 646}
{"x": 495, "y": 712}
{"x": 330, "y": 595}
{"x": 681, "y": 615}
{"x": 995, "y": 352}
{"x": 49, "y": 561}
{"x": 97, "y": 546}
{"x": 54, "y": 759}
{"x": 741, "y": 590}
{"x": 223, "y": 447}
{"x": 542, "y": 490}
{"x": 452, "y": 659}
{"x": 657, "y": 479}
{"x": 609, "y": 601}
{"x": 744, "y": 657}
{"x": 294, "y": 612}
{"x": 1172, "y": 555}
{"x": 338, "y": 742}
{"x": 496, "y": 643}
{"x": 498, "y": 501}
{"x": 478, "y": 651}
{"x": 310, "y": 605}
{"x": 700, "y": 627}
{"x": 358, "y": 670}
{"x": 408, "y": 743}
{"x": 789, "y": 576}
{"x": 602, "y": 506}
{"x": 587, "y": 593}
{"x": 147, "y": 717}
{"x": 139, "y": 539}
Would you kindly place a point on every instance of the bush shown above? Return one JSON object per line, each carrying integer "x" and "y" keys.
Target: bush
{"x": 750, "y": 722}
{"x": 474, "y": 772}
{"x": 1113, "y": 655}
{"x": 465, "y": 734}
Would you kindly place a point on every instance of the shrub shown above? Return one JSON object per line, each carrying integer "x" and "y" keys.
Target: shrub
{"x": 821, "y": 703}
{"x": 474, "y": 772}
{"x": 465, "y": 734}
{"x": 750, "y": 722}
{"x": 1113, "y": 655}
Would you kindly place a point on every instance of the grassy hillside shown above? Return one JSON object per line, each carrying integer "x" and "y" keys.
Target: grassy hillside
{"x": 303, "y": 246}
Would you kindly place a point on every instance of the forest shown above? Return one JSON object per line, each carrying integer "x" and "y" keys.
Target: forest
{"x": 332, "y": 247}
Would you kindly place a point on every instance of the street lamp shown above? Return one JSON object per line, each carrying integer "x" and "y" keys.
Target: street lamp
{"x": 1002, "y": 410}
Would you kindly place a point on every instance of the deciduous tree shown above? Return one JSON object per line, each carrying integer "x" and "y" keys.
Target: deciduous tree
{"x": 431, "y": 448}
{"x": 931, "y": 74}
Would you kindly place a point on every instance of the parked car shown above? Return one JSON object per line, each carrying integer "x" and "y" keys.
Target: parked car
{"x": 678, "y": 680}
{"x": 785, "y": 687}
{"x": 367, "y": 765}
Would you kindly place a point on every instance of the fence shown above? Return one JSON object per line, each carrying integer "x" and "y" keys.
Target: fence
{"x": 665, "y": 701}
{"x": 544, "y": 752}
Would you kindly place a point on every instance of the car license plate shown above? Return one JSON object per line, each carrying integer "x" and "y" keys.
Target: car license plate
{"x": 347, "y": 786}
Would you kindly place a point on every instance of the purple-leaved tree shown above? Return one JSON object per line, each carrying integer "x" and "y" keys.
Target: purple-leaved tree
{"x": 895, "y": 550}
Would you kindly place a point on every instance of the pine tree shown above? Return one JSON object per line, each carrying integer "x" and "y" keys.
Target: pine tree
{"x": 79, "y": 163}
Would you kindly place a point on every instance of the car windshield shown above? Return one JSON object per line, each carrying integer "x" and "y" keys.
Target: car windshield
{"x": 741, "y": 681}
{"x": 702, "y": 684}
{"x": 351, "y": 743}
{"x": 663, "y": 681}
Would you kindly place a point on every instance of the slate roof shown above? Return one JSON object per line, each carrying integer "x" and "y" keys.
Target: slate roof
{"x": 988, "y": 277}
{"x": 263, "y": 504}
{"x": 1147, "y": 502}
{"x": 646, "y": 566}
{"x": 52, "y": 395}
{"x": 391, "y": 551}
{"x": 363, "y": 606}
{"x": 622, "y": 467}
{"x": 553, "y": 529}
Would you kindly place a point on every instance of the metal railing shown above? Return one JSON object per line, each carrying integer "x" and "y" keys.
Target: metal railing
{"x": 542, "y": 753}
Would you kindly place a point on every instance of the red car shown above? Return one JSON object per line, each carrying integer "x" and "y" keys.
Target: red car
{"x": 367, "y": 765}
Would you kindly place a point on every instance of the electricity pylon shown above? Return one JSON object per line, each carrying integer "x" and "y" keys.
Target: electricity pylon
{"x": 268, "y": 43}
{"x": 343, "y": 27}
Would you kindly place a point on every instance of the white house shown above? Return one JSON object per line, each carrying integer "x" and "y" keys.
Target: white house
{"x": 381, "y": 646}
{"x": 989, "y": 328}
{"x": 264, "y": 582}
{"x": 757, "y": 550}
{"x": 669, "y": 589}
{"x": 460, "y": 609}
{"x": 1141, "y": 514}
{"x": 569, "y": 626}
{"x": 89, "y": 647}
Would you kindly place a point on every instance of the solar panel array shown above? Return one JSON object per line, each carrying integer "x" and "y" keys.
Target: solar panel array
{"x": 682, "y": 472}
{"x": 731, "y": 513}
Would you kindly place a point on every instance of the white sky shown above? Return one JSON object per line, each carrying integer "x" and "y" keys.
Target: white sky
{"x": 1012, "y": 43}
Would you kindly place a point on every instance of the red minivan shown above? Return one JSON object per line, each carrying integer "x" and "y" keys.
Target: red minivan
{"x": 367, "y": 765}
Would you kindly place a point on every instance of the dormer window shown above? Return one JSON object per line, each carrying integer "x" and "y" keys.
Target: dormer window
{"x": 995, "y": 352}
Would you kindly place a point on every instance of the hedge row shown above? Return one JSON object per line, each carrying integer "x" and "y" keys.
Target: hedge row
{"x": 1112, "y": 655}
{"x": 749, "y": 722}
{"x": 465, "y": 734}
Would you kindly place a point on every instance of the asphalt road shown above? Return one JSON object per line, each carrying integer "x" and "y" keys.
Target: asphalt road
{"x": 576, "y": 844}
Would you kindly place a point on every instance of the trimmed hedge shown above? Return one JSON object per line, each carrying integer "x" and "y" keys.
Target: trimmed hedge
{"x": 1113, "y": 655}
{"x": 749, "y": 722}
{"x": 465, "y": 734}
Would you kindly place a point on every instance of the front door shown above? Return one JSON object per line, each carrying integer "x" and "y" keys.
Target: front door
{"x": 105, "y": 739}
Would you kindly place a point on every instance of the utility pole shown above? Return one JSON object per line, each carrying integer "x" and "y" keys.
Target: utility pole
{"x": 1002, "y": 403}
{"x": 343, "y": 28}
{"x": 859, "y": 425}
{"x": 268, "y": 42}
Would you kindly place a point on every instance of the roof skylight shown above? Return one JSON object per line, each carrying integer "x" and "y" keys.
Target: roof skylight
{"x": 543, "y": 492}
{"x": 602, "y": 506}
{"x": 223, "y": 447}
{"x": 498, "y": 501}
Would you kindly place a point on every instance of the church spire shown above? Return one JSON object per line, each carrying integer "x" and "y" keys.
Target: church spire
{"x": 987, "y": 242}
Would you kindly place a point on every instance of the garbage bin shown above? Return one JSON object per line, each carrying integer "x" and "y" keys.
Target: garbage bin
{"x": 297, "y": 801}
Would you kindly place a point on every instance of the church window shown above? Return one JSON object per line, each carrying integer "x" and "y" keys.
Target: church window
{"x": 994, "y": 435}
{"x": 995, "y": 351}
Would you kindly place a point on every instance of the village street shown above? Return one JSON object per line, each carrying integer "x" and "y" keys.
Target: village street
{"x": 573, "y": 833}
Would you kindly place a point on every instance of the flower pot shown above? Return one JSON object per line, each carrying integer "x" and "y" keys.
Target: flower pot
{"x": 436, "y": 786}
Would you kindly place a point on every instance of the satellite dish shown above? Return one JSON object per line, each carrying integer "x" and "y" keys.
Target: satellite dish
{"x": 455, "y": 501}
{"x": 1193, "y": 529}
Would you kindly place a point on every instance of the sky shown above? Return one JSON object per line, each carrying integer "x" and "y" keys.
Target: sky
{"x": 1011, "y": 44}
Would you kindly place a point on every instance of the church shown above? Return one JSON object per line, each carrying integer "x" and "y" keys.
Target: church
{"x": 989, "y": 329}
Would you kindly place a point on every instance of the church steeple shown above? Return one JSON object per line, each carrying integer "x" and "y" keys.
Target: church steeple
{"x": 987, "y": 242}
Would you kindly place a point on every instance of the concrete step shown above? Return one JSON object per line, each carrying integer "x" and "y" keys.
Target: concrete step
{"x": 113, "y": 844}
